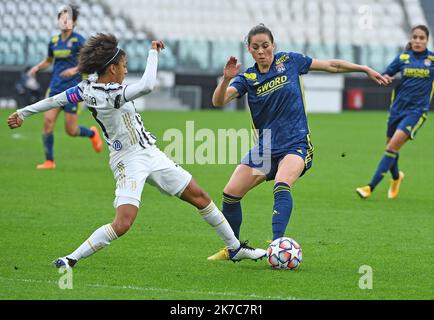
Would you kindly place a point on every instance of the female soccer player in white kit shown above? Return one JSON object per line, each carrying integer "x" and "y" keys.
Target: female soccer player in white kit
{"x": 134, "y": 158}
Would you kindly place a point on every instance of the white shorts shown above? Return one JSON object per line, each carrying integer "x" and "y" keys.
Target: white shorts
{"x": 131, "y": 170}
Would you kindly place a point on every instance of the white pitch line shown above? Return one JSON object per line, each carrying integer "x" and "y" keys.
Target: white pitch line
{"x": 137, "y": 288}
{"x": 18, "y": 136}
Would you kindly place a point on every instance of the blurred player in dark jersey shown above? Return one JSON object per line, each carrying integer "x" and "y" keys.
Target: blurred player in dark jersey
{"x": 284, "y": 151}
{"x": 63, "y": 52}
{"x": 410, "y": 103}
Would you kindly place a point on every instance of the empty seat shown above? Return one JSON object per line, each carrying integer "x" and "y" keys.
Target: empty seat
{"x": 321, "y": 23}
{"x": 222, "y": 50}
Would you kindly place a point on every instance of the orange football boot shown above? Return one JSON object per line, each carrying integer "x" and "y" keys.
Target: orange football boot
{"x": 394, "y": 186}
{"x": 47, "y": 165}
{"x": 220, "y": 255}
{"x": 96, "y": 140}
{"x": 364, "y": 192}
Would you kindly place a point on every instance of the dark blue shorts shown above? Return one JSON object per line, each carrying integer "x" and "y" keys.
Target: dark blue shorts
{"x": 268, "y": 164}
{"x": 69, "y": 108}
{"x": 410, "y": 123}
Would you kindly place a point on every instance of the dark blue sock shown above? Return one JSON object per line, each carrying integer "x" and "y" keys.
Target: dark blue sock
{"x": 394, "y": 170}
{"x": 232, "y": 211}
{"x": 384, "y": 167}
{"x": 282, "y": 209}
{"x": 85, "y": 132}
{"x": 48, "y": 141}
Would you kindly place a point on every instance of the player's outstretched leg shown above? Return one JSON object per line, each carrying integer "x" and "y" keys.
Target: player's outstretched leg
{"x": 389, "y": 162}
{"x": 282, "y": 209}
{"x": 397, "y": 177}
{"x": 242, "y": 180}
{"x": 235, "y": 250}
{"x": 385, "y": 165}
{"x": 102, "y": 237}
{"x": 48, "y": 139}
{"x": 48, "y": 142}
{"x": 74, "y": 130}
{"x": 96, "y": 139}
{"x": 231, "y": 209}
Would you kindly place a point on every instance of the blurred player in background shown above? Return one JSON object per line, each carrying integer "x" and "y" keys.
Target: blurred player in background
{"x": 276, "y": 100}
{"x": 410, "y": 103}
{"x": 63, "y": 53}
{"x": 28, "y": 89}
{"x": 134, "y": 157}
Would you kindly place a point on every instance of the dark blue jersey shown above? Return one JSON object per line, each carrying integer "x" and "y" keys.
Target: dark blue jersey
{"x": 415, "y": 89}
{"x": 276, "y": 100}
{"x": 65, "y": 54}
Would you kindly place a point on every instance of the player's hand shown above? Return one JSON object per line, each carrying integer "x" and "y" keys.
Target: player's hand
{"x": 33, "y": 71}
{"x": 232, "y": 68}
{"x": 69, "y": 72}
{"x": 158, "y": 45}
{"x": 14, "y": 121}
{"x": 378, "y": 78}
{"x": 389, "y": 78}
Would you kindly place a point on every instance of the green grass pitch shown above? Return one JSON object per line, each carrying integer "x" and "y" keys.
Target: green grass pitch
{"x": 44, "y": 215}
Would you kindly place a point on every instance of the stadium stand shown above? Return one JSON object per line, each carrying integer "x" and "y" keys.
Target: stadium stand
{"x": 428, "y": 9}
{"x": 365, "y": 31}
{"x": 26, "y": 27}
{"x": 201, "y": 34}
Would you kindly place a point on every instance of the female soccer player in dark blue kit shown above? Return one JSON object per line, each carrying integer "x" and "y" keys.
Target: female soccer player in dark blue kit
{"x": 284, "y": 150}
{"x": 63, "y": 54}
{"x": 410, "y": 103}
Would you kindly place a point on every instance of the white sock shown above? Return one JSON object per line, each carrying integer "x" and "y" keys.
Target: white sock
{"x": 217, "y": 220}
{"x": 98, "y": 240}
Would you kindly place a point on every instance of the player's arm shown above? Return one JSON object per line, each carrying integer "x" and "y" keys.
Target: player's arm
{"x": 149, "y": 78}
{"x": 15, "y": 120}
{"x": 69, "y": 72}
{"x": 223, "y": 93}
{"x": 392, "y": 69}
{"x": 44, "y": 64}
{"x": 342, "y": 66}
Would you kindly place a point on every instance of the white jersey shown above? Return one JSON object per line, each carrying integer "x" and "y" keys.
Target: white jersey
{"x": 112, "y": 107}
{"x": 121, "y": 125}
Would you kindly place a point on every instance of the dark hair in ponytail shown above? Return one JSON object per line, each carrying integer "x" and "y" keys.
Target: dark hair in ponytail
{"x": 98, "y": 53}
{"x": 259, "y": 29}
{"x": 420, "y": 27}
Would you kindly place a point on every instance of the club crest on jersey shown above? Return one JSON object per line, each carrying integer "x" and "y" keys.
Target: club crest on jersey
{"x": 117, "y": 145}
{"x": 250, "y": 76}
{"x": 405, "y": 58}
{"x": 55, "y": 40}
{"x": 427, "y": 62}
{"x": 282, "y": 59}
{"x": 280, "y": 68}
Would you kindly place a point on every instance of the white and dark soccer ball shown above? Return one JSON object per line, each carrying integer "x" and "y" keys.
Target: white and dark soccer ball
{"x": 284, "y": 253}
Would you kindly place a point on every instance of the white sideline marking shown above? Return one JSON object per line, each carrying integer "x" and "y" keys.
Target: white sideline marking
{"x": 136, "y": 288}
{"x": 17, "y": 136}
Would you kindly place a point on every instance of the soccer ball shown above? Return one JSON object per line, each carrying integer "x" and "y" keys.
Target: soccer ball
{"x": 284, "y": 253}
